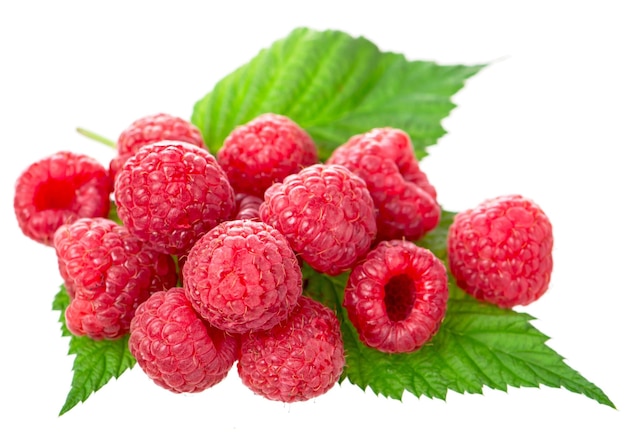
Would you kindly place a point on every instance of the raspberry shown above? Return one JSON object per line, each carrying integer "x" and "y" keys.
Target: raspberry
{"x": 242, "y": 276}
{"x": 59, "y": 189}
{"x": 405, "y": 200}
{"x": 176, "y": 348}
{"x": 326, "y": 213}
{"x": 170, "y": 193}
{"x": 247, "y": 206}
{"x": 108, "y": 273}
{"x": 297, "y": 360}
{"x": 265, "y": 150}
{"x": 501, "y": 251}
{"x": 151, "y": 129}
{"x": 396, "y": 297}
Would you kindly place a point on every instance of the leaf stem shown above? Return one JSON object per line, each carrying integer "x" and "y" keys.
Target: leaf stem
{"x": 96, "y": 137}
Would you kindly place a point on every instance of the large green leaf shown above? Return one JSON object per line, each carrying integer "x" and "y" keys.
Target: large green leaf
{"x": 334, "y": 86}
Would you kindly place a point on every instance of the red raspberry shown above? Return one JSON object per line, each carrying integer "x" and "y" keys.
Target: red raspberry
{"x": 297, "y": 360}
{"x": 108, "y": 273}
{"x": 242, "y": 276}
{"x": 176, "y": 348}
{"x": 501, "y": 251}
{"x": 151, "y": 129}
{"x": 59, "y": 189}
{"x": 396, "y": 298}
{"x": 247, "y": 206}
{"x": 265, "y": 150}
{"x": 405, "y": 200}
{"x": 326, "y": 213}
{"x": 171, "y": 193}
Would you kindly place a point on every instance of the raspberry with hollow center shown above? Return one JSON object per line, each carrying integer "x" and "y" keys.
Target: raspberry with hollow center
{"x": 170, "y": 193}
{"x": 242, "y": 276}
{"x": 264, "y": 151}
{"x": 151, "y": 129}
{"x": 299, "y": 359}
{"x": 108, "y": 272}
{"x": 501, "y": 251}
{"x": 176, "y": 348}
{"x": 326, "y": 213}
{"x": 57, "y": 190}
{"x": 396, "y": 297}
{"x": 404, "y": 198}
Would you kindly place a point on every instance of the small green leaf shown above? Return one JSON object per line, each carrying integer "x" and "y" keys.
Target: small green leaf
{"x": 478, "y": 345}
{"x": 96, "y": 137}
{"x": 334, "y": 86}
{"x": 95, "y": 363}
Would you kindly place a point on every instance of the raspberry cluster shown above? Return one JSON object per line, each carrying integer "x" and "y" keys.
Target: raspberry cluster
{"x": 203, "y": 268}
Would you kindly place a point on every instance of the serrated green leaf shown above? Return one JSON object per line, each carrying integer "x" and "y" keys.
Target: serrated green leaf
{"x": 334, "y": 86}
{"x": 478, "y": 345}
{"x": 95, "y": 363}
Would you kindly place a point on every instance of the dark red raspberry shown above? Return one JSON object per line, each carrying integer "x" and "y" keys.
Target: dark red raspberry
{"x": 406, "y": 202}
{"x": 151, "y": 129}
{"x": 301, "y": 358}
{"x": 247, "y": 206}
{"x": 501, "y": 251}
{"x": 170, "y": 193}
{"x": 326, "y": 213}
{"x": 176, "y": 348}
{"x": 57, "y": 190}
{"x": 242, "y": 276}
{"x": 396, "y": 298}
{"x": 108, "y": 273}
{"x": 265, "y": 150}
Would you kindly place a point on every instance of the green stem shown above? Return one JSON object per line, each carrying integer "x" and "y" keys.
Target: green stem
{"x": 96, "y": 137}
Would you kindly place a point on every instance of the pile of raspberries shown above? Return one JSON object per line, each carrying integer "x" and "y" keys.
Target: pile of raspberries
{"x": 204, "y": 271}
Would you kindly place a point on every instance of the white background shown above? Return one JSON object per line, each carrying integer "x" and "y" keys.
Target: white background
{"x": 546, "y": 120}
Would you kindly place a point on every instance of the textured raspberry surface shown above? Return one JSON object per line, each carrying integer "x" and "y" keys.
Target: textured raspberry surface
{"x": 326, "y": 213}
{"x": 176, "y": 348}
{"x": 501, "y": 251}
{"x": 406, "y": 201}
{"x": 59, "y": 189}
{"x": 297, "y": 360}
{"x": 247, "y": 206}
{"x": 151, "y": 129}
{"x": 396, "y": 298}
{"x": 108, "y": 272}
{"x": 170, "y": 193}
{"x": 242, "y": 276}
{"x": 264, "y": 151}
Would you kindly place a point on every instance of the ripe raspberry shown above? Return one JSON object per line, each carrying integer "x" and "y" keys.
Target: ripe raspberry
{"x": 170, "y": 193}
{"x": 326, "y": 213}
{"x": 501, "y": 251}
{"x": 265, "y": 150}
{"x": 176, "y": 348}
{"x": 151, "y": 129}
{"x": 405, "y": 200}
{"x": 108, "y": 273}
{"x": 59, "y": 189}
{"x": 247, "y": 206}
{"x": 297, "y": 360}
{"x": 396, "y": 298}
{"x": 242, "y": 276}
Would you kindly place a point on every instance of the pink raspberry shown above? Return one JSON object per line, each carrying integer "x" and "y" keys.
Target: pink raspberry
{"x": 170, "y": 193}
{"x": 501, "y": 251}
{"x": 301, "y": 358}
{"x": 405, "y": 200}
{"x": 59, "y": 189}
{"x": 247, "y": 206}
{"x": 264, "y": 151}
{"x": 326, "y": 213}
{"x": 176, "y": 348}
{"x": 151, "y": 129}
{"x": 242, "y": 276}
{"x": 396, "y": 298}
{"x": 108, "y": 273}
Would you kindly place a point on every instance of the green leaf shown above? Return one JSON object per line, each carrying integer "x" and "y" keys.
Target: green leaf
{"x": 478, "y": 345}
{"x": 334, "y": 86}
{"x": 95, "y": 363}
